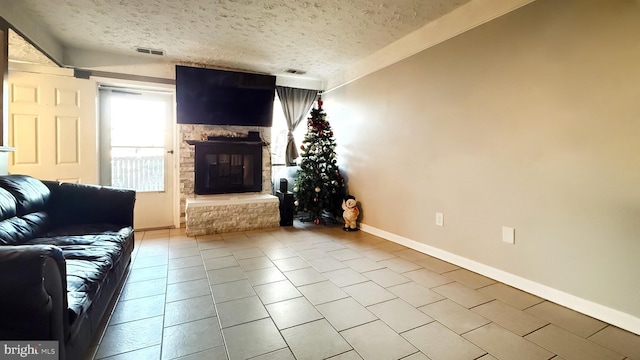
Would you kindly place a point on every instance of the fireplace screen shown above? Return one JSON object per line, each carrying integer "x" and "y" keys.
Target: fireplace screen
{"x": 228, "y": 167}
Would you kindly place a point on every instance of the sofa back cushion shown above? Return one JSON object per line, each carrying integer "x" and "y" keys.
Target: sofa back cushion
{"x": 23, "y": 201}
{"x": 75, "y": 204}
{"x": 20, "y": 229}
{"x": 7, "y": 205}
{"x": 31, "y": 194}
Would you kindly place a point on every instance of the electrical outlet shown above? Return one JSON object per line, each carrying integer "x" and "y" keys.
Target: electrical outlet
{"x": 440, "y": 219}
{"x": 508, "y": 235}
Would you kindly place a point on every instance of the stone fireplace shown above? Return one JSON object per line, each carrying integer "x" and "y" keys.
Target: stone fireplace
{"x": 226, "y": 165}
{"x": 244, "y": 202}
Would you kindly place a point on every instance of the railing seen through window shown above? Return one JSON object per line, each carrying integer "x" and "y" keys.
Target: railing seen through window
{"x": 140, "y": 168}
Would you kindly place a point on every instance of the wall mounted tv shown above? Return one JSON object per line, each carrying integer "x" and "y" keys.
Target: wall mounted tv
{"x": 220, "y": 97}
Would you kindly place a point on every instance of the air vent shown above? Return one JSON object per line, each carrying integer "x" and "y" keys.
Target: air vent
{"x": 150, "y": 51}
{"x": 296, "y": 72}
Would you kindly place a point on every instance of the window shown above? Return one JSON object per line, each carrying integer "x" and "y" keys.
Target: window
{"x": 279, "y": 134}
{"x": 134, "y": 134}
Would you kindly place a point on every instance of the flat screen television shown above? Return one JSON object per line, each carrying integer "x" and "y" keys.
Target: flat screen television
{"x": 221, "y": 97}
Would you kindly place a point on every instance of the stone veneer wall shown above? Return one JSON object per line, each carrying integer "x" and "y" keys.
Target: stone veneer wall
{"x": 223, "y": 216}
{"x": 187, "y": 154}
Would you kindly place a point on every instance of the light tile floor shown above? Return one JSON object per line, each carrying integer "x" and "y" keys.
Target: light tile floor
{"x": 313, "y": 292}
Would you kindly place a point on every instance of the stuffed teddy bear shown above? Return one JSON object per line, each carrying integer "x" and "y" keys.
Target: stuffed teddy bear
{"x": 350, "y": 213}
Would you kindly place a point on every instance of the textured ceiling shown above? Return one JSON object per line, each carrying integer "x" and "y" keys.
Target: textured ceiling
{"x": 21, "y": 50}
{"x": 319, "y": 37}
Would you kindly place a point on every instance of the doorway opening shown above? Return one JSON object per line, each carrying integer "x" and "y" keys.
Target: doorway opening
{"x": 136, "y": 150}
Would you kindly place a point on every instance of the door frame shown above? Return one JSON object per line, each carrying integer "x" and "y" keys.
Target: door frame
{"x": 166, "y": 89}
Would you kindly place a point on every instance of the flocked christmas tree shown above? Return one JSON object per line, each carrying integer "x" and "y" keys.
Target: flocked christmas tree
{"x": 320, "y": 188}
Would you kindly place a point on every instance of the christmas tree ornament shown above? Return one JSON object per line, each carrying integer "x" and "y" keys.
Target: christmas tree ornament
{"x": 318, "y": 189}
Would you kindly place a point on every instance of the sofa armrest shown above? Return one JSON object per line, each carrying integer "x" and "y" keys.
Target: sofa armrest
{"x": 73, "y": 204}
{"x": 33, "y": 295}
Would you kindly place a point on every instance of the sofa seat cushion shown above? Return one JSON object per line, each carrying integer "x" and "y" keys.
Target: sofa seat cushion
{"x": 89, "y": 255}
{"x": 78, "y": 303}
{"x": 122, "y": 231}
{"x": 84, "y": 278}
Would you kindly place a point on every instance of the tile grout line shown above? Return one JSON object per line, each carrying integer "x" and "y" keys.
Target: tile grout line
{"x": 215, "y": 306}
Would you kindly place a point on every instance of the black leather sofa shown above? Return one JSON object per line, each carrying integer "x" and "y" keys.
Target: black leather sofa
{"x": 64, "y": 252}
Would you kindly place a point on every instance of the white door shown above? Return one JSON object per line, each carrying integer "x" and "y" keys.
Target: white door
{"x": 136, "y": 151}
{"x": 52, "y": 125}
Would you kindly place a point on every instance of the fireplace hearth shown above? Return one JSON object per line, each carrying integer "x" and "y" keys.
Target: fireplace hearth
{"x": 226, "y": 165}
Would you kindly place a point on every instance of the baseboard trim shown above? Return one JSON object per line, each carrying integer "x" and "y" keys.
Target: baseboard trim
{"x": 612, "y": 316}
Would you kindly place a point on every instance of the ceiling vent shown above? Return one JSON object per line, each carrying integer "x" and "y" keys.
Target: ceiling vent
{"x": 150, "y": 51}
{"x": 295, "y": 72}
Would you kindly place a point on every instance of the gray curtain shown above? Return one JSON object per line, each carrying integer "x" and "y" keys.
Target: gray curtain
{"x": 296, "y": 103}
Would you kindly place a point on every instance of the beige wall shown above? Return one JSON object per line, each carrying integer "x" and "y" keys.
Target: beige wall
{"x": 529, "y": 121}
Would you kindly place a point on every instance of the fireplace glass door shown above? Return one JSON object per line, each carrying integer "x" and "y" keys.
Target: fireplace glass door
{"x": 228, "y": 168}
